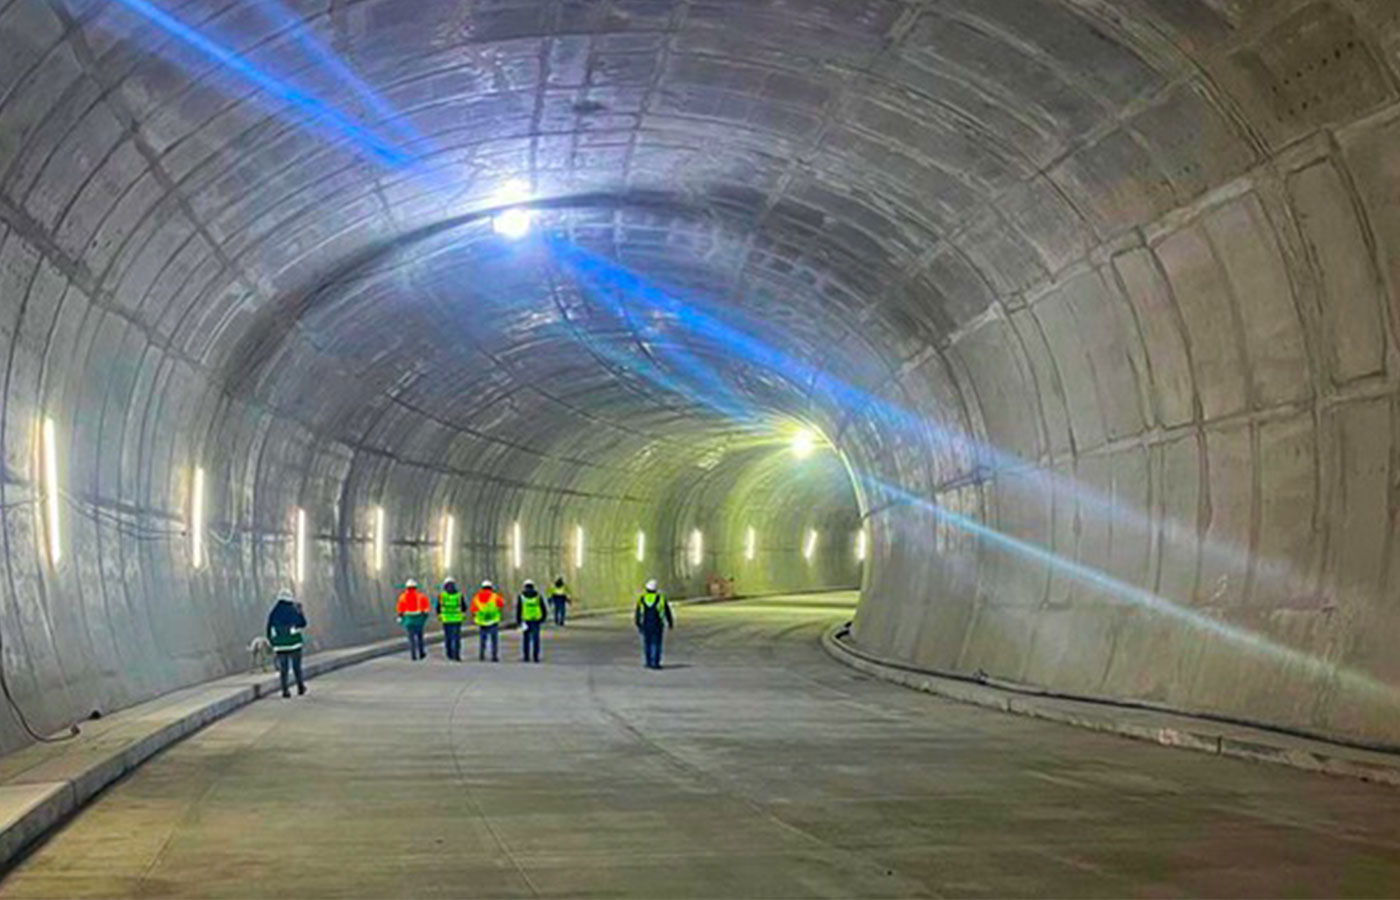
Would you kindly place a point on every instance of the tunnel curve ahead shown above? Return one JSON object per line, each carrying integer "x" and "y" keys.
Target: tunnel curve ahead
{"x": 1090, "y": 308}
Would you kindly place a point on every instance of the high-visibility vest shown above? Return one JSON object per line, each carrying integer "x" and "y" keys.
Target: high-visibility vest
{"x": 486, "y": 608}
{"x": 531, "y": 608}
{"x": 450, "y": 609}
{"x": 652, "y": 598}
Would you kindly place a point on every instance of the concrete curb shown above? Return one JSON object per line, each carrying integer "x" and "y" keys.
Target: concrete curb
{"x": 43, "y": 785}
{"x": 1167, "y": 729}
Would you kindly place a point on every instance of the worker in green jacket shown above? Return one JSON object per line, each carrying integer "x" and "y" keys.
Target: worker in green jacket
{"x": 529, "y": 616}
{"x": 285, "y": 623}
{"x": 452, "y": 612}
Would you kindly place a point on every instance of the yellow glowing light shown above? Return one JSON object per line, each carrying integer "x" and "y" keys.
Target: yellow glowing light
{"x": 197, "y": 519}
{"x": 50, "y": 447}
{"x": 378, "y": 555}
{"x": 300, "y": 549}
{"x": 803, "y": 443}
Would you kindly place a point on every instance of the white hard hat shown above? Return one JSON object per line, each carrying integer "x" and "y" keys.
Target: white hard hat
{"x": 410, "y": 583}
{"x": 529, "y": 583}
{"x": 487, "y": 583}
{"x": 287, "y": 595}
{"x": 651, "y": 584}
{"x": 449, "y": 580}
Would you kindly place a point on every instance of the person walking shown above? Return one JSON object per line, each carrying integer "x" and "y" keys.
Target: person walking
{"x": 529, "y": 616}
{"x": 653, "y": 618}
{"x": 285, "y": 623}
{"x": 452, "y": 611}
{"x": 486, "y": 609}
{"x": 413, "y": 616}
{"x": 559, "y": 600}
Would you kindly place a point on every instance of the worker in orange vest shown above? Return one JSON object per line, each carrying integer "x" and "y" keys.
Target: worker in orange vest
{"x": 413, "y": 616}
{"x": 486, "y": 607}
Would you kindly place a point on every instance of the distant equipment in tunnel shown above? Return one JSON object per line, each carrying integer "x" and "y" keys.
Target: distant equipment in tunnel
{"x": 49, "y": 440}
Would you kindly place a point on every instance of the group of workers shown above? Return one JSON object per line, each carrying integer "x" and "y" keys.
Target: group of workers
{"x": 486, "y": 609}
{"x": 286, "y": 623}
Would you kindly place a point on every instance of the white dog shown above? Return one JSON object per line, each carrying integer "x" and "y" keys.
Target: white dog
{"x": 260, "y": 649}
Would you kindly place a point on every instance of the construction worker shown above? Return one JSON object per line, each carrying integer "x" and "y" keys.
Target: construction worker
{"x": 285, "y": 623}
{"x": 452, "y": 611}
{"x": 653, "y": 618}
{"x": 486, "y": 609}
{"x": 559, "y": 600}
{"x": 529, "y": 615}
{"x": 413, "y": 611}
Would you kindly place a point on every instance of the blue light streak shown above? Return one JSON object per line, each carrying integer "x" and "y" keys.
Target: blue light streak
{"x": 312, "y": 108}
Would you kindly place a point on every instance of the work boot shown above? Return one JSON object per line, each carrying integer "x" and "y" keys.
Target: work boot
{"x": 301, "y": 689}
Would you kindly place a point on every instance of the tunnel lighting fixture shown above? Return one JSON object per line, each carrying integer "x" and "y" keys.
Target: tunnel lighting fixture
{"x": 378, "y": 551}
{"x": 449, "y": 540}
{"x": 861, "y": 540}
{"x": 809, "y": 546}
{"x": 517, "y": 552}
{"x": 197, "y": 519}
{"x": 49, "y": 440}
{"x": 750, "y": 544}
{"x": 578, "y": 546}
{"x": 299, "y": 548}
{"x": 803, "y": 443}
{"x": 697, "y": 547}
{"x": 513, "y": 223}
{"x": 641, "y": 546}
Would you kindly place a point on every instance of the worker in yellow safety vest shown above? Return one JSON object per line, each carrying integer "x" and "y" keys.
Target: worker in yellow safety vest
{"x": 653, "y": 618}
{"x": 452, "y": 612}
{"x": 529, "y": 616}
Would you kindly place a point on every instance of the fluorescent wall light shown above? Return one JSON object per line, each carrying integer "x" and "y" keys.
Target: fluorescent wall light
{"x": 49, "y": 439}
{"x": 299, "y": 564}
{"x": 578, "y": 546}
{"x": 449, "y": 540}
{"x": 517, "y": 551}
{"x": 197, "y": 519}
{"x": 377, "y": 554}
{"x": 697, "y": 547}
{"x": 809, "y": 546}
{"x": 861, "y": 540}
{"x": 641, "y": 546}
{"x": 750, "y": 544}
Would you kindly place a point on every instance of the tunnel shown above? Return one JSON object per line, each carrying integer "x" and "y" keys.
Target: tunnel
{"x": 1037, "y": 349}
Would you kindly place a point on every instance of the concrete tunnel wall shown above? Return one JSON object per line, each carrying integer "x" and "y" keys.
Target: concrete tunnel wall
{"x": 1114, "y": 280}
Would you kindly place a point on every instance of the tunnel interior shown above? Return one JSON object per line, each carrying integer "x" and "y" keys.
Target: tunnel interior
{"x": 1088, "y": 307}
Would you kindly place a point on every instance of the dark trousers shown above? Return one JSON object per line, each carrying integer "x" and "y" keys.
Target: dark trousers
{"x": 452, "y": 640}
{"x": 560, "y": 608}
{"x": 289, "y": 663}
{"x": 532, "y": 640}
{"x": 651, "y": 647}
{"x": 493, "y": 634}
{"x": 416, "y": 648}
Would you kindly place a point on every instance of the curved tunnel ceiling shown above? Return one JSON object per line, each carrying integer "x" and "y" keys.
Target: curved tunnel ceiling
{"x": 1073, "y": 270}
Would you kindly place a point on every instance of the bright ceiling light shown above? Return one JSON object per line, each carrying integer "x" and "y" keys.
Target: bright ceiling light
{"x": 513, "y": 223}
{"x": 803, "y": 443}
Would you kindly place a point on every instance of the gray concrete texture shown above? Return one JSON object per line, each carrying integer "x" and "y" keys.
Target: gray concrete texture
{"x": 753, "y": 766}
{"x": 1114, "y": 279}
